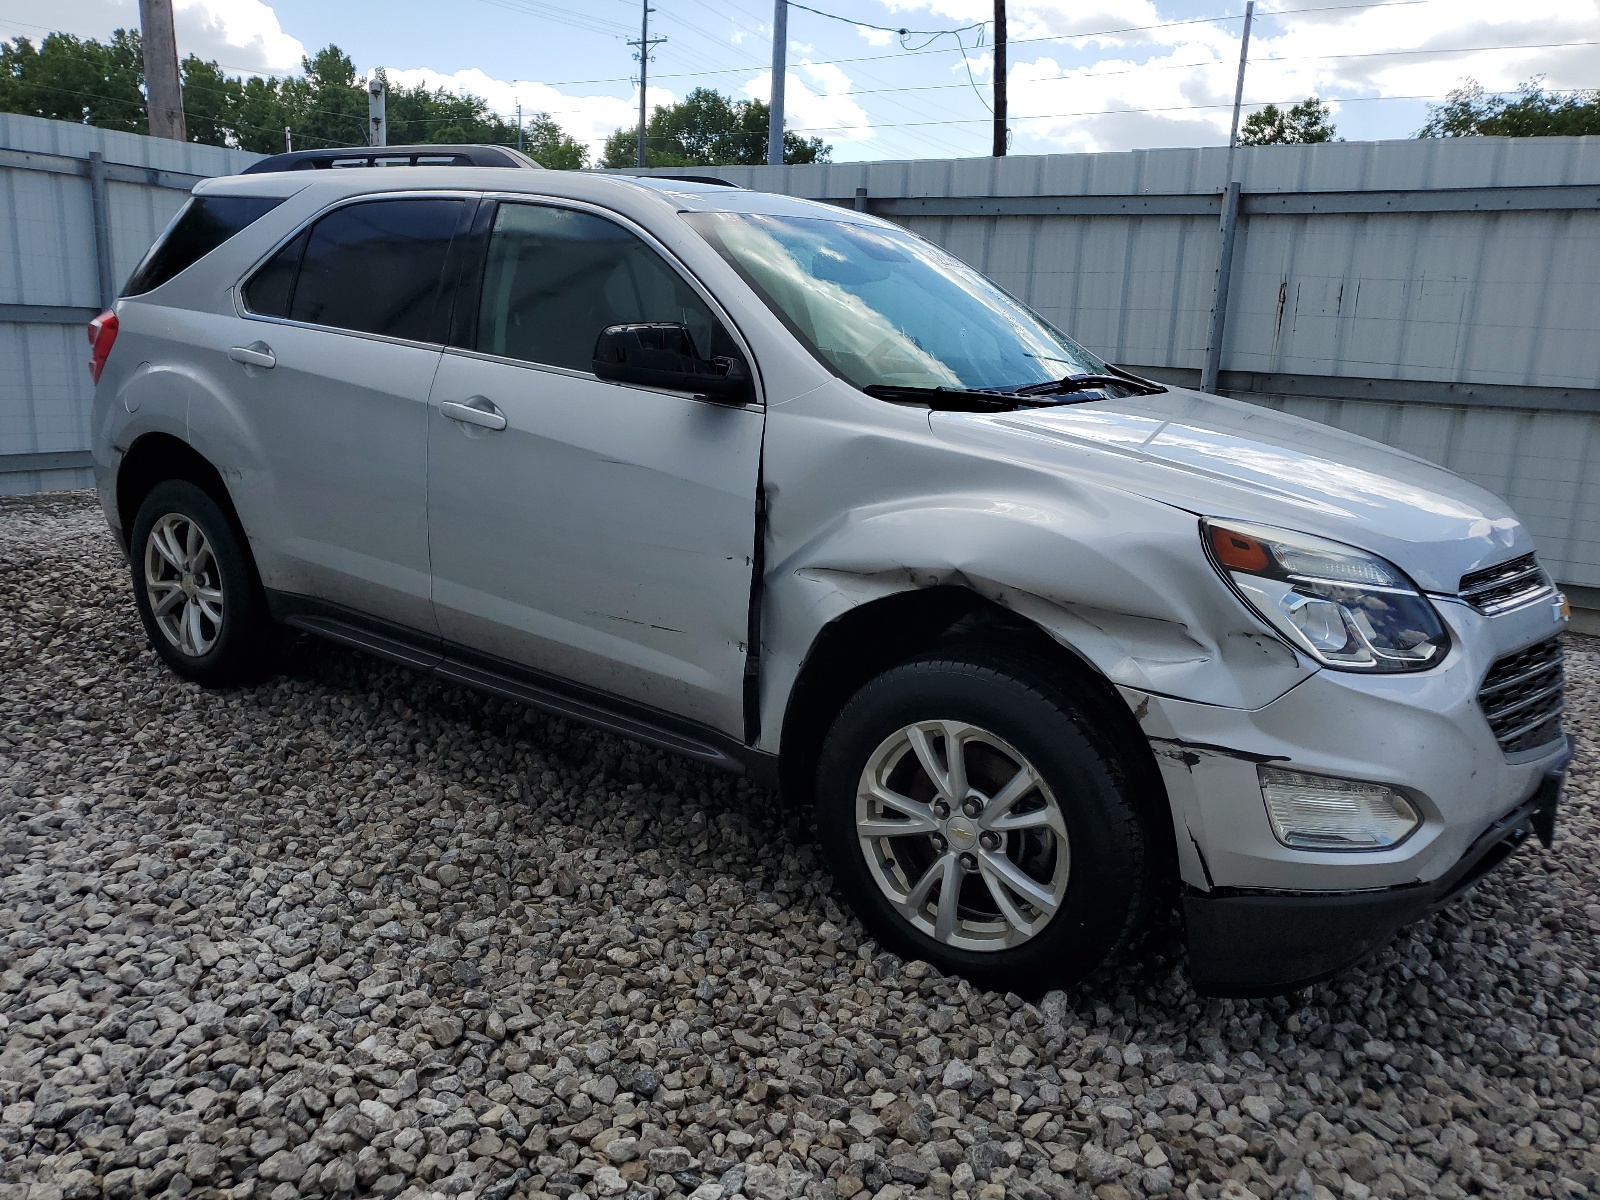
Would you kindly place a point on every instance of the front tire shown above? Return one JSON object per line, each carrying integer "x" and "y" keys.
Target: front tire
{"x": 978, "y": 817}
{"x": 196, "y": 587}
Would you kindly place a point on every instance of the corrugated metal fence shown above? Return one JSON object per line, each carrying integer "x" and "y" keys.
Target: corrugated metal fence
{"x": 78, "y": 208}
{"x": 1441, "y": 296}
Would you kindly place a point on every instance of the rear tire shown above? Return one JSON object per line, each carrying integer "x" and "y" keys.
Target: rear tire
{"x": 196, "y": 587}
{"x": 1024, "y": 869}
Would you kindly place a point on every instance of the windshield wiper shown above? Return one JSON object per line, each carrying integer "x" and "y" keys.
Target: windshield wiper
{"x": 1090, "y": 382}
{"x": 960, "y": 399}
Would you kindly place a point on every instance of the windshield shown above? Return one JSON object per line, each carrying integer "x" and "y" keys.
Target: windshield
{"x": 884, "y": 308}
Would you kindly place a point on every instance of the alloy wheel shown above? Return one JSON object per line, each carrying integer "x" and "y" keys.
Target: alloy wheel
{"x": 963, "y": 835}
{"x": 183, "y": 584}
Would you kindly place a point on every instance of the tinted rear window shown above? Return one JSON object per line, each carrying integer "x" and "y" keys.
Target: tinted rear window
{"x": 203, "y": 225}
{"x": 374, "y": 267}
{"x": 271, "y": 289}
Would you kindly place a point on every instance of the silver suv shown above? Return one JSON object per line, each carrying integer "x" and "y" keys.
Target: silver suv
{"x": 783, "y": 488}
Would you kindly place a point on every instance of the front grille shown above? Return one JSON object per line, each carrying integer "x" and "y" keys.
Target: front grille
{"x": 1505, "y": 586}
{"x": 1521, "y": 697}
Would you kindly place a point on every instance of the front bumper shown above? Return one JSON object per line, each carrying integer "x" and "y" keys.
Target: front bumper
{"x": 1248, "y": 942}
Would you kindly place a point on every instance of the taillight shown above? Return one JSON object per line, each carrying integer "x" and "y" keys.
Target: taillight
{"x": 102, "y": 334}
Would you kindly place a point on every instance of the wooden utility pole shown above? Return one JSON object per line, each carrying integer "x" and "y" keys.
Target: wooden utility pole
{"x": 161, "y": 79}
{"x": 1000, "y": 78}
{"x": 646, "y": 43}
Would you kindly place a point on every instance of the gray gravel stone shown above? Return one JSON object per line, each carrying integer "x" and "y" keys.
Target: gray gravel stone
{"x": 355, "y": 932}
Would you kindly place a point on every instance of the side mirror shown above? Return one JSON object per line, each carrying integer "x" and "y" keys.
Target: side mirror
{"x": 662, "y": 354}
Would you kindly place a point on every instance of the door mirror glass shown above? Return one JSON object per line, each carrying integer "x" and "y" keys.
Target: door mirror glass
{"x": 662, "y": 354}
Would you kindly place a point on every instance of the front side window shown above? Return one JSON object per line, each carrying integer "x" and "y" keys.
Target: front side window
{"x": 882, "y": 307}
{"x": 202, "y": 225}
{"x": 556, "y": 277}
{"x": 372, "y": 267}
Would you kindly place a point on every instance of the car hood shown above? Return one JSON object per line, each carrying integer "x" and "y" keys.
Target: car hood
{"x": 1225, "y": 458}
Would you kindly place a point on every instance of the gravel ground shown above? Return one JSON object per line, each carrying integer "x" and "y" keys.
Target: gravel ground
{"x": 356, "y": 932}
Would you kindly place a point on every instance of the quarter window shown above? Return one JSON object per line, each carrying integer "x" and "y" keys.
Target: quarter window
{"x": 556, "y": 277}
{"x": 373, "y": 267}
{"x": 272, "y": 287}
{"x": 204, "y": 223}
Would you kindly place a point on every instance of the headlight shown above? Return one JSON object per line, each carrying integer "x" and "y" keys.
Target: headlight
{"x": 1344, "y": 607}
{"x": 1315, "y": 812}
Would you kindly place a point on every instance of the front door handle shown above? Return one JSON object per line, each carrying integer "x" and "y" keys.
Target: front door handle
{"x": 256, "y": 354}
{"x": 476, "y": 411}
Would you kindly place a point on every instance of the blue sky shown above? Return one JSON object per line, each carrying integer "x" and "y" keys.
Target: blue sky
{"x": 1085, "y": 74}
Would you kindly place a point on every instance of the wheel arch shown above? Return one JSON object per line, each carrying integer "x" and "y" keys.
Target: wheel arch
{"x": 156, "y": 457}
{"x": 881, "y": 633}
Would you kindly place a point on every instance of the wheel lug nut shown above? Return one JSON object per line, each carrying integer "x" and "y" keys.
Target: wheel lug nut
{"x": 990, "y": 841}
{"x": 972, "y": 808}
{"x": 938, "y": 843}
{"x": 969, "y": 862}
{"x": 941, "y": 809}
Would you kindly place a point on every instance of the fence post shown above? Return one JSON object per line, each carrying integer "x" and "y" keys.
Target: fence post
{"x": 100, "y": 204}
{"x": 1219, "y": 306}
{"x": 861, "y": 199}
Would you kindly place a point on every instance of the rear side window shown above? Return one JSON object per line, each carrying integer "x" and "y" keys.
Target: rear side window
{"x": 373, "y": 267}
{"x": 271, "y": 289}
{"x": 200, "y": 227}
{"x": 556, "y": 277}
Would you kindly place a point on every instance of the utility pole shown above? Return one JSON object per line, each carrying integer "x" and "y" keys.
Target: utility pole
{"x": 519, "y": 125}
{"x": 377, "y": 112}
{"x": 1211, "y": 367}
{"x": 780, "y": 76}
{"x": 1238, "y": 88}
{"x": 1000, "y": 130}
{"x": 162, "y": 80}
{"x": 288, "y": 138}
{"x": 645, "y": 43}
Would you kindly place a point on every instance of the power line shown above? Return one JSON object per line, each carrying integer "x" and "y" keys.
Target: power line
{"x": 1057, "y": 37}
{"x": 902, "y": 33}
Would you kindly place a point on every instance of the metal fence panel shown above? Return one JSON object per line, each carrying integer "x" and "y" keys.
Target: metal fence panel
{"x": 50, "y": 274}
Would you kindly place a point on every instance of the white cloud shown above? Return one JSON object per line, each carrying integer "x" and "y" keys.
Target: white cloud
{"x": 875, "y": 37}
{"x": 246, "y": 31}
{"x": 1118, "y": 74}
{"x": 242, "y": 35}
{"x": 816, "y": 103}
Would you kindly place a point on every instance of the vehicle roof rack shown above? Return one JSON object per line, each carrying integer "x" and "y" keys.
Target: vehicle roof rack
{"x": 707, "y": 179}
{"x": 340, "y": 157}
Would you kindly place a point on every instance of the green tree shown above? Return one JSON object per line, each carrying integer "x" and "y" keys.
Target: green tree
{"x": 73, "y": 79}
{"x": 706, "y": 129}
{"x": 210, "y": 102}
{"x": 1469, "y": 111}
{"x": 327, "y": 105}
{"x": 1308, "y": 121}
{"x": 551, "y": 146}
{"x": 417, "y": 115}
{"x": 94, "y": 83}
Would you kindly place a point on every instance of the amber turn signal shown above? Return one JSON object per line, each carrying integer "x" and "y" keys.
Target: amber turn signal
{"x": 1238, "y": 551}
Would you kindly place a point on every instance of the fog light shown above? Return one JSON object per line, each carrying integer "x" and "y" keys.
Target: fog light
{"x": 1315, "y": 812}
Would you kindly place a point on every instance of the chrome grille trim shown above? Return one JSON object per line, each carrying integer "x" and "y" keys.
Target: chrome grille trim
{"x": 1522, "y": 697}
{"x": 1507, "y": 585}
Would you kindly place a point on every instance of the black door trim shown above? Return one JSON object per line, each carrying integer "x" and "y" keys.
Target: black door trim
{"x": 550, "y": 693}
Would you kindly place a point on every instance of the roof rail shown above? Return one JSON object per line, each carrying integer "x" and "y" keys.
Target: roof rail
{"x": 392, "y": 156}
{"x": 711, "y": 180}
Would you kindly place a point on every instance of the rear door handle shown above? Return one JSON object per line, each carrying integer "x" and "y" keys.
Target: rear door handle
{"x": 477, "y": 411}
{"x": 256, "y": 354}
